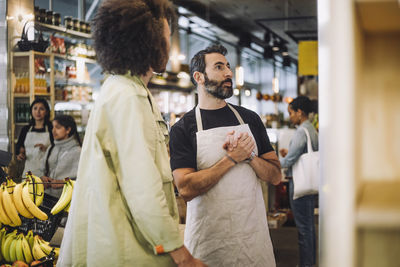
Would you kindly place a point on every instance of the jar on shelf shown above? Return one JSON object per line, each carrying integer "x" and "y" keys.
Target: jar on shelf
{"x": 57, "y": 19}
{"x": 88, "y": 27}
{"x": 37, "y": 14}
{"x": 49, "y": 17}
{"x": 68, "y": 22}
{"x": 82, "y": 26}
{"x": 76, "y": 24}
{"x": 42, "y": 15}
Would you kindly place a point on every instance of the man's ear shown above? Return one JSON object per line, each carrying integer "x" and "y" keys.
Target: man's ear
{"x": 198, "y": 77}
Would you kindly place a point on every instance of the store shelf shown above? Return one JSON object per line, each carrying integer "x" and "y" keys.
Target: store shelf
{"x": 19, "y": 95}
{"x": 379, "y": 16}
{"x": 74, "y": 58}
{"x": 27, "y": 53}
{"x": 379, "y": 205}
{"x": 64, "y": 31}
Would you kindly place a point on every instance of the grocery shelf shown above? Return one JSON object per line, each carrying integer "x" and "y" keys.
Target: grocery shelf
{"x": 28, "y": 53}
{"x": 378, "y": 205}
{"x": 19, "y": 95}
{"x": 64, "y": 30}
{"x": 76, "y": 58}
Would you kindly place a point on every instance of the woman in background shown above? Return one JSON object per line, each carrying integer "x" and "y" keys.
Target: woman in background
{"x": 303, "y": 207}
{"x": 35, "y": 138}
{"x": 62, "y": 158}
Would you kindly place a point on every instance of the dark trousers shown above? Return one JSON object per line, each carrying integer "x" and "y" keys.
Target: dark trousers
{"x": 303, "y": 211}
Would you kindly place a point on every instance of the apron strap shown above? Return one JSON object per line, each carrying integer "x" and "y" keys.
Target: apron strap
{"x": 238, "y": 117}
{"x": 200, "y": 123}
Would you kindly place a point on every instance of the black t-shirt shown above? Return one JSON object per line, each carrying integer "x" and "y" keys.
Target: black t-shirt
{"x": 183, "y": 145}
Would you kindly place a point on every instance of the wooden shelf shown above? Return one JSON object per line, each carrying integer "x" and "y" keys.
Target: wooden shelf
{"x": 19, "y": 95}
{"x": 28, "y": 53}
{"x": 378, "y": 205}
{"x": 379, "y": 15}
{"x": 76, "y": 58}
{"x": 65, "y": 31}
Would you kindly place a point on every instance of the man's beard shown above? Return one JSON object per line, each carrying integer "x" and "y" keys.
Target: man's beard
{"x": 217, "y": 89}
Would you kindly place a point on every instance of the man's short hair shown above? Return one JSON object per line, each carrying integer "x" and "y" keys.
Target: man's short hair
{"x": 198, "y": 62}
{"x": 129, "y": 35}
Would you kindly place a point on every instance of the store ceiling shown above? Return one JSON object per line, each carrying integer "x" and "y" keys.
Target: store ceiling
{"x": 291, "y": 20}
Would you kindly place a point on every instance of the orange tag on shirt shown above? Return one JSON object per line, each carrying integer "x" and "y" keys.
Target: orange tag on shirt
{"x": 159, "y": 249}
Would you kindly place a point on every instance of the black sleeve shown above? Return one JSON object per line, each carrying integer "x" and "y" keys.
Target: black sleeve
{"x": 21, "y": 138}
{"x": 260, "y": 134}
{"x": 181, "y": 150}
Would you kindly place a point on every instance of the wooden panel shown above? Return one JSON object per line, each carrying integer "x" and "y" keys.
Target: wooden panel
{"x": 379, "y": 16}
{"x": 379, "y": 205}
{"x": 378, "y": 100}
{"x": 378, "y": 248}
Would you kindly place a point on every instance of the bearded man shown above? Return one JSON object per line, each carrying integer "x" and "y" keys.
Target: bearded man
{"x": 219, "y": 154}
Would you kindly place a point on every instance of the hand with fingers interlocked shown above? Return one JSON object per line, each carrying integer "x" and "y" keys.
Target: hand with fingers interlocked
{"x": 239, "y": 146}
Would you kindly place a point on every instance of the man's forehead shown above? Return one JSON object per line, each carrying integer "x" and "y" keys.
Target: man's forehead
{"x": 213, "y": 58}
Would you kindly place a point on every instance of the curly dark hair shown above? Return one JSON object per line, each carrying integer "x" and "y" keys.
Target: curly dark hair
{"x": 198, "y": 62}
{"x": 303, "y": 103}
{"x": 128, "y": 35}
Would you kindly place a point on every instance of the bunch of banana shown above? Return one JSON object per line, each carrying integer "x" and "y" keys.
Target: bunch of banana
{"x": 65, "y": 198}
{"x": 42, "y": 248}
{"x": 4, "y": 218}
{"x": 28, "y": 201}
{"x": 8, "y": 203}
{"x": 36, "y": 188}
{"x": 6, "y": 243}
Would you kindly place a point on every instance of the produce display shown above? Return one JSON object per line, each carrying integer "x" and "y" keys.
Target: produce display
{"x": 17, "y": 247}
{"x": 24, "y": 200}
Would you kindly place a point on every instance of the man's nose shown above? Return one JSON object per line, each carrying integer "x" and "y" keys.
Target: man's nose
{"x": 229, "y": 74}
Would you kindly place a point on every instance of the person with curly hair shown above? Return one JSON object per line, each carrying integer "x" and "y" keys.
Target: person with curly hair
{"x": 123, "y": 210}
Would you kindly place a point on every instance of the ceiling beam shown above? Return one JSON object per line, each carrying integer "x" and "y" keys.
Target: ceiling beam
{"x": 206, "y": 13}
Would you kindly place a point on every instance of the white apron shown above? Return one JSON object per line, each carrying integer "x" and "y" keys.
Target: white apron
{"x": 34, "y": 156}
{"x": 227, "y": 226}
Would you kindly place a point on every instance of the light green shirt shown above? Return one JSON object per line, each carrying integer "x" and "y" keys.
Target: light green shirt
{"x": 123, "y": 209}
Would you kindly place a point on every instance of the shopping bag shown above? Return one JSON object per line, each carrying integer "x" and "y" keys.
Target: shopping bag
{"x": 306, "y": 172}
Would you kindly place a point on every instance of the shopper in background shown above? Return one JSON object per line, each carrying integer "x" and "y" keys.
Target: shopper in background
{"x": 123, "y": 210}
{"x": 62, "y": 158}
{"x": 35, "y": 138}
{"x": 219, "y": 154}
{"x": 303, "y": 207}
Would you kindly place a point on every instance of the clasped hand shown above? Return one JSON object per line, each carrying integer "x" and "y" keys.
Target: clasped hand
{"x": 239, "y": 146}
{"x": 53, "y": 183}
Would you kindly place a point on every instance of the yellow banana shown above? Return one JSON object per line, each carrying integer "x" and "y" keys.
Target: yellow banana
{"x": 10, "y": 185}
{"x": 8, "y": 204}
{"x": 26, "y": 249}
{"x": 45, "y": 246}
{"x": 13, "y": 250}
{"x": 37, "y": 191}
{"x": 19, "y": 253}
{"x": 67, "y": 207}
{"x": 65, "y": 198}
{"x": 30, "y": 238}
{"x": 2, "y": 233}
{"x": 5, "y": 247}
{"x": 37, "y": 251}
{"x": 3, "y": 215}
{"x": 19, "y": 204}
{"x": 30, "y": 205}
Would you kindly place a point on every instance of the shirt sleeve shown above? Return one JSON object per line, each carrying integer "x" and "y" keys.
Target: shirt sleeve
{"x": 21, "y": 138}
{"x": 296, "y": 149}
{"x": 260, "y": 134}
{"x": 131, "y": 123}
{"x": 182, "y": 154}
